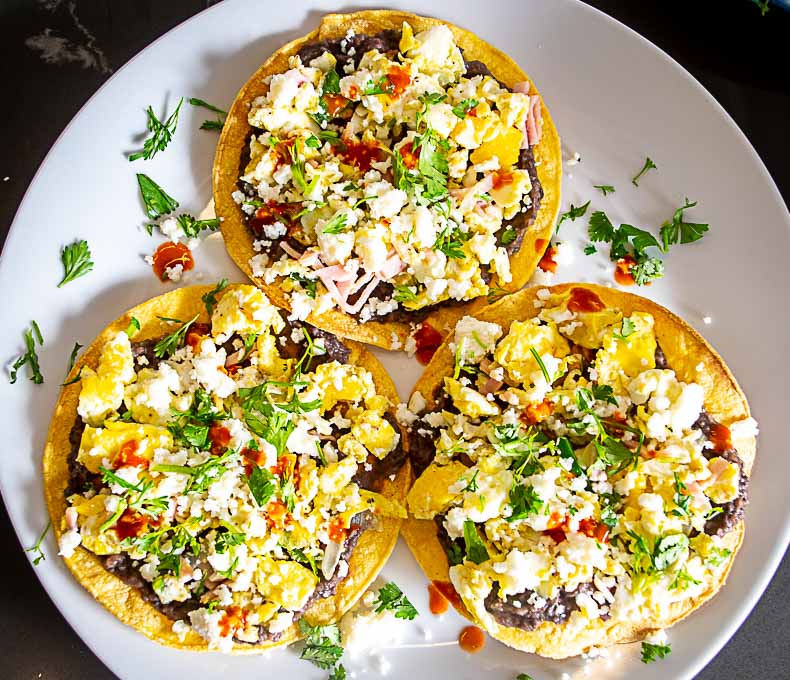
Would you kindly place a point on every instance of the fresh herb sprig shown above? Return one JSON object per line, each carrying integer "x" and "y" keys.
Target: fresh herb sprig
{"x": 38, "y": 553}
{"x": 322, "y": 644}
{"x": 649, "y": 165}
{"x": 168, "y": 345}
{"x": 572, "y": 214}
{"x": 162, "y": 133}
{"x": 208, "y": 124}
{"x": 76, "y": 259}
{"x": 192, "y": 226}
{"x": 30, "y": 357}
{"x": 651, "y": 652}
{"x": 157, "y": 202}
{"x": 210, "y": 299}
{"x": 391, "y": 598}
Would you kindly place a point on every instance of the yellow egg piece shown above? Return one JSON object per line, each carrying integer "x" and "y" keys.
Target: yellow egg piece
{"x": 430, "y": 495}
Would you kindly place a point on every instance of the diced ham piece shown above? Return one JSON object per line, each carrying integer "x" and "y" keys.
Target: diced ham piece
{"x": 393, "y": 266}
{"x": 533, "y": 125}
{"x": 309, "y": 258}
{"x": 492, "y": 385}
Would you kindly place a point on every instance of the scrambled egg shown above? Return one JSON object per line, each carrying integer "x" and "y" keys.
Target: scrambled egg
{"x": 244, "y": 468}
{"x": 598, "y": 478}
{"x": 417, "y": 193}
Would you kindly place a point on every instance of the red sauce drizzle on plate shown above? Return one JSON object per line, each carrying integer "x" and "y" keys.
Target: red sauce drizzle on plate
{"x": 428, "y": 340}
{"x": 584, "y": 300}
{"x": 540, "y": 244}
{"x": 622, "y": 271}
{"x": 447, "y": 591}
{"x": 170, "y": 254}
{"x": 547, "y": 262}
{"x": 437, "y": 602}
{"x": 471, "y": 639}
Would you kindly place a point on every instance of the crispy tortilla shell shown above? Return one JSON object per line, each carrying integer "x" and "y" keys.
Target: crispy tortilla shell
{"x": 235, "y": 139}
{"x": 126, "y": 602}
{"x": 692, "y": 359}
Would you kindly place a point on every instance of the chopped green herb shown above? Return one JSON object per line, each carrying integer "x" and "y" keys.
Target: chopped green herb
{"x": 464, "y": 107}
{"x": 338, "y": 673}
{"x": 38, "y": 553}
{"x": 194, "y": 101}
{"x": 604, "y": 188}
{"x": 192, "y": 226}
{"x": 508, "y": 236}
{"x": 157, "y": 202}
{"x": 336, "y": 225}
{"x": 210, "y": 298}
{"x": 524, "y": 502}
{"x": 644, "y": 272}
{"x": 590, "y": 249}
{"x": 763, "y": 5}
{"x": 263, "y": 485}
{"x": 322, "y": 644}
{"x": 450, "y": 242}
{"x": 404, "y": 293}
{"x": 471, "y": 485}
{"x": 604, "y": 393}
{"x": 133, "y": 327}
{"x": 170, "y": 343}
{"x": 652, "y": 652}
{"x": 73, "y": 356}
{"x": 571, "y": 215}
{"x": 543, "y": 370}
{"x": 391, "y": 598}
{"x": 30, "y": 357}
{"x": 718, "y": 556}
{"x": 475, "y": 548}
{"x": 77, "y": 262}
{"x": 162, "y": 133}
{"x": 681, "y": 498}
{"x": 649, "y": 165}
{"x": 678, "y": 231}
{"x": 627, "y": 328}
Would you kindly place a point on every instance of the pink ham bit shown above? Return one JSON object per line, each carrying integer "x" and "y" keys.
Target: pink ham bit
{"x": 392, "y": 267}
{"x": 492, "y": 385}
{"x": 534, "y": 121}
{"x": 71, "y": 518}
{"x": 309, "y": 258}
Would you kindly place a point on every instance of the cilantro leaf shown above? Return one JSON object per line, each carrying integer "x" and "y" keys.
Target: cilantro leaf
{"x": 331, "y": 83}
{"x": 524, "y": 502}
{"x": 668, "y": 549}
{"x": 604, "y": 393}
{"x": 718, "y": 556}
{"x": 572, "y": 214}
{"x": 475, "y": 548}
{"x": 590, "y": 249}
{"x": 194, "y": 101}
{"x": 77, "y": 262}
{"x": 651, "y": 652}
{"x": 450, "y": 241}
{"x": 600, "y": 227}
{"x": 170, "y": 343}
{"x": 391, "y": 598}
{"x": 338, "y": 673}
{"x": 404, "y": 293}
{"x": 462, "y": 108}
{"x": 508, "y": 236}
{"x": 640, "y": 239}
{"x": 649, "y": 269}
{"x": 678, "y": 231}
{"x": 162, "y": 133}
{"x": 30, "y": 357}
{"x": 157, "y": 202}
{"x": 322, "y": 644}
{"x": 649, "y": 165}
{"x": 307, "y": 284}
{"x": 608, "y": 502}
{"x": 262, "y": 485}
{"x": 209, "y": 124}
{"x": 627, "y": 328}
{"x": 210, "y": 298}
{"x": 192, "y": 226}
{"x": 604, "y": 188}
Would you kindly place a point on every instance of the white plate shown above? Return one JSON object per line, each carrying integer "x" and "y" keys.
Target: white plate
{"x": 615, "y": 98}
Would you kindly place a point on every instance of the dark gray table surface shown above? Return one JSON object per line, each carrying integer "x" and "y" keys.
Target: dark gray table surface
{"x": 738, "y": 55}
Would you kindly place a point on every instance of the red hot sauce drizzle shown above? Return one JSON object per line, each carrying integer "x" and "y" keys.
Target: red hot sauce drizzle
{"x": 622, "y": 271}
{"x": 471, "y": 640}
{"x": 169, "y": 255}
{"x": 584, "y": 300}
{"x": 428, "y": 340}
